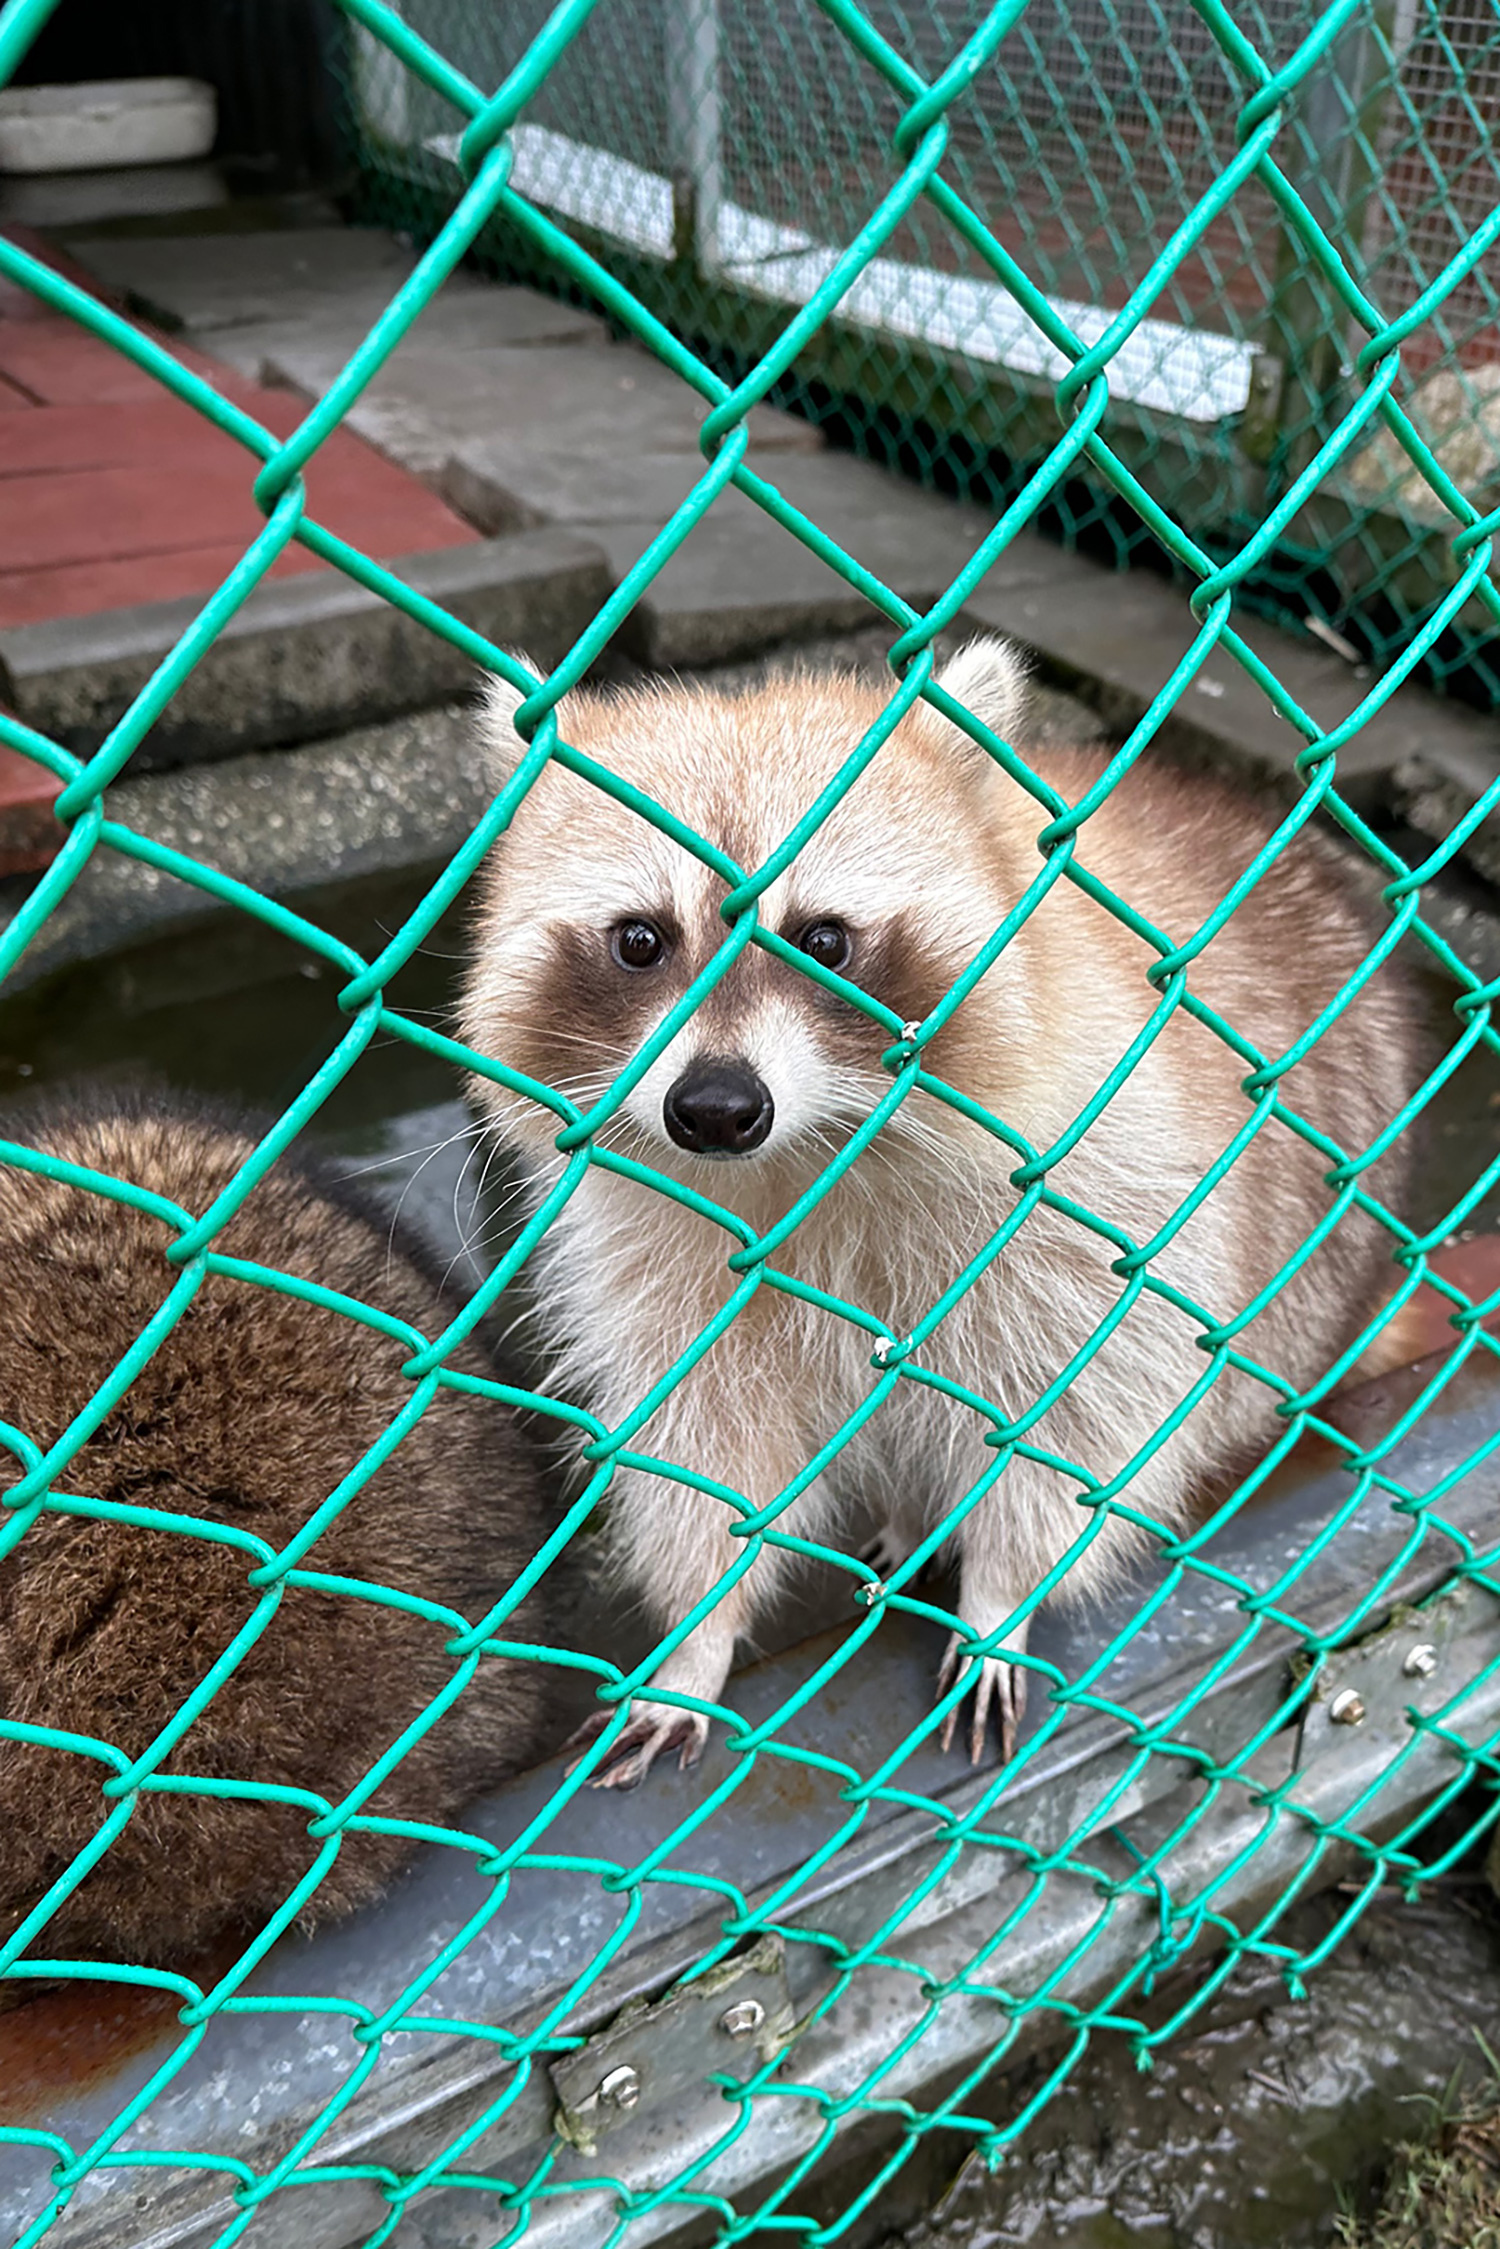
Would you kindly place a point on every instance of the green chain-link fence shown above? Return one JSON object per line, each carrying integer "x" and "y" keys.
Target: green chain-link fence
{"x": 1200, "y": 1763}
{"x": 1081, "y": 144}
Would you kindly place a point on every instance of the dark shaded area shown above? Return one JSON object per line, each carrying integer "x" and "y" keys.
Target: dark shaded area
{"x": 269, "y": 61}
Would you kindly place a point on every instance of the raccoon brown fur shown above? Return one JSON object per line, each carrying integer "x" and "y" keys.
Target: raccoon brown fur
{"x": 249, "y": 1413}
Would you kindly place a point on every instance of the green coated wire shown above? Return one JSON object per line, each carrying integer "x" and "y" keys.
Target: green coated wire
{"x": 1116, "y": 1880}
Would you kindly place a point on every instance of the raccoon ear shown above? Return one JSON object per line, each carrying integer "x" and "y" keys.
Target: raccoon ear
{"x": 499, "y": 702}
{"x": 989, "y": 678}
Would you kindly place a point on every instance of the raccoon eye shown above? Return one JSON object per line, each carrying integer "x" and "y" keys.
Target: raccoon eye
{"x": 826, "y": 942}
{"x": 637, "y": 944}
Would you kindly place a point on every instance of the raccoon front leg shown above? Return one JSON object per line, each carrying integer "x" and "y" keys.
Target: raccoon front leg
{"x": 1000, "y": 1683}
{"x": 676, "y": 1546}
{"x": 698, "y": 1668}
{"x": 998, "y": 1572}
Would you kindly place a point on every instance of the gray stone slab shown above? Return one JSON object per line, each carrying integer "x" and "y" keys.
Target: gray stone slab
{"x": 1114, "y": 639}
{"x": 251, "y": 298}
{"x": 465, "y": 316}
{"x": 204, "y": 282}
{"x": 742, "y": 582}
{"x": 427, "y": 403}
{"x": 499, "y": 482}
{"x": 142, "y": 191}
{"x": 304, "y": 656}
{"x": 399, "y": 796}
{"x": 738, "y": 585}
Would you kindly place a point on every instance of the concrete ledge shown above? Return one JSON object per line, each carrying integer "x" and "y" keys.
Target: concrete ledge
{"x": 305, "y": 656}
{"x": 1113, "y": 639}
{"x": 386, "y": 800}
{"x": 244, "y": 295}
{"x": 586, "y": 402}
{"x": 524, "y": 418}
{"x": 740, "y": 583}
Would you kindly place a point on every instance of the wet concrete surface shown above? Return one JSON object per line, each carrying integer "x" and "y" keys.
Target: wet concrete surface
{"x": 1263, "y": 2119}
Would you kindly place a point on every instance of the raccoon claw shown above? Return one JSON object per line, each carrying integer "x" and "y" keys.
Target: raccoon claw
{"x": 1000, "y": 1683}
{"x": 885, "y": 1553}
{"x": 656, "y": 1726}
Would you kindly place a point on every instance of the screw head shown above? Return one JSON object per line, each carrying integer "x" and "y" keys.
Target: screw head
{"x": 1421, "y": 1661}
{"x": 1347, "y": 1708}
{"x": 621, "y": 2088}
{"x": 745, "y": 2016}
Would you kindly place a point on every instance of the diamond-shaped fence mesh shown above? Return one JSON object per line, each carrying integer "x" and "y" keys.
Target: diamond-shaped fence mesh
{"x": 1268, "y": 1710}
{"x": 1094, "y": 148}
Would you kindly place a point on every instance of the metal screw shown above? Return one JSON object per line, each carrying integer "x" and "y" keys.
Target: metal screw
{"x": 621, "y": 2088}
{"x": 1347, "y": 1708}
{"x": 742, "y": 2018}
{"x": 1421, "y": 1662}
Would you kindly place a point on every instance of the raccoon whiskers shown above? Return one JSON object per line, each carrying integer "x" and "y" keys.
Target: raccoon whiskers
{"x": 466, "y": 1229}
{"x": 429, "y": 1154}
{"x": 459, "y": 1225}
{"x": 482, "y": 1238}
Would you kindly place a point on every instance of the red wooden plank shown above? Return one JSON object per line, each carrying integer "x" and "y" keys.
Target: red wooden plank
{"x": 29, "y": 836}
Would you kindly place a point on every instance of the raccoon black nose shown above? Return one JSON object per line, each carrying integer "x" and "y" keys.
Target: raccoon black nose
{"x": 718, "y": 1109}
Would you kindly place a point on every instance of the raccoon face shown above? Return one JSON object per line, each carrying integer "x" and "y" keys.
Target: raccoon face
{"x": 771, "y": 1058}
{"x": 595, "y": 926}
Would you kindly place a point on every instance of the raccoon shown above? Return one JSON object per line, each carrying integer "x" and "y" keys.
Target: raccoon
{"x": 1117, "y": 1181}
{"x": 248, "y": 1414}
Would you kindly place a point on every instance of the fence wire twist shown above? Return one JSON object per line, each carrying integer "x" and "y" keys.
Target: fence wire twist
{"x": 920, "y": 147}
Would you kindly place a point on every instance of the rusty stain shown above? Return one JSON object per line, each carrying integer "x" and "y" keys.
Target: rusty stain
{"x": 1368, "y": 1405}
{"x": 70, "y": 2038}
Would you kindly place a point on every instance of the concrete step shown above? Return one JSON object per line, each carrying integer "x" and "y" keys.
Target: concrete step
{"x": 740, "y": 582}
{"x": 247, "y": 297}
{"x": 601, "y": 441}
{"x": 593, "y": 402}
{"x": 395, "y": 797}
{"x": 291, "y": 306}
{"x": 302, "y": 657}
{"x": 1114, "y": 638}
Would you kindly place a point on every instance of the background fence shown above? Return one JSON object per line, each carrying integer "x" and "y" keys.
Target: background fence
{"x": 1085, "y": 139}
{"x": 1269, "y": 1708}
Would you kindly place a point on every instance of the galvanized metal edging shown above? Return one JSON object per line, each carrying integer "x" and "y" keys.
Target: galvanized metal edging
{"x": 633, "y": 2018}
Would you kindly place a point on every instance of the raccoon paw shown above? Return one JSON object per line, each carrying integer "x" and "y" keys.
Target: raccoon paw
{"x": 886, "y": 1551}
{"x": 656, "y": 1726}
{"x": 1000, "y": 1683}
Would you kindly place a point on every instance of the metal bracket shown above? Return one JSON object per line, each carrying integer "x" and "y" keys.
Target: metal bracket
{"x": 1414, "y": 1662}
{"x": 657, "y": 2054}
